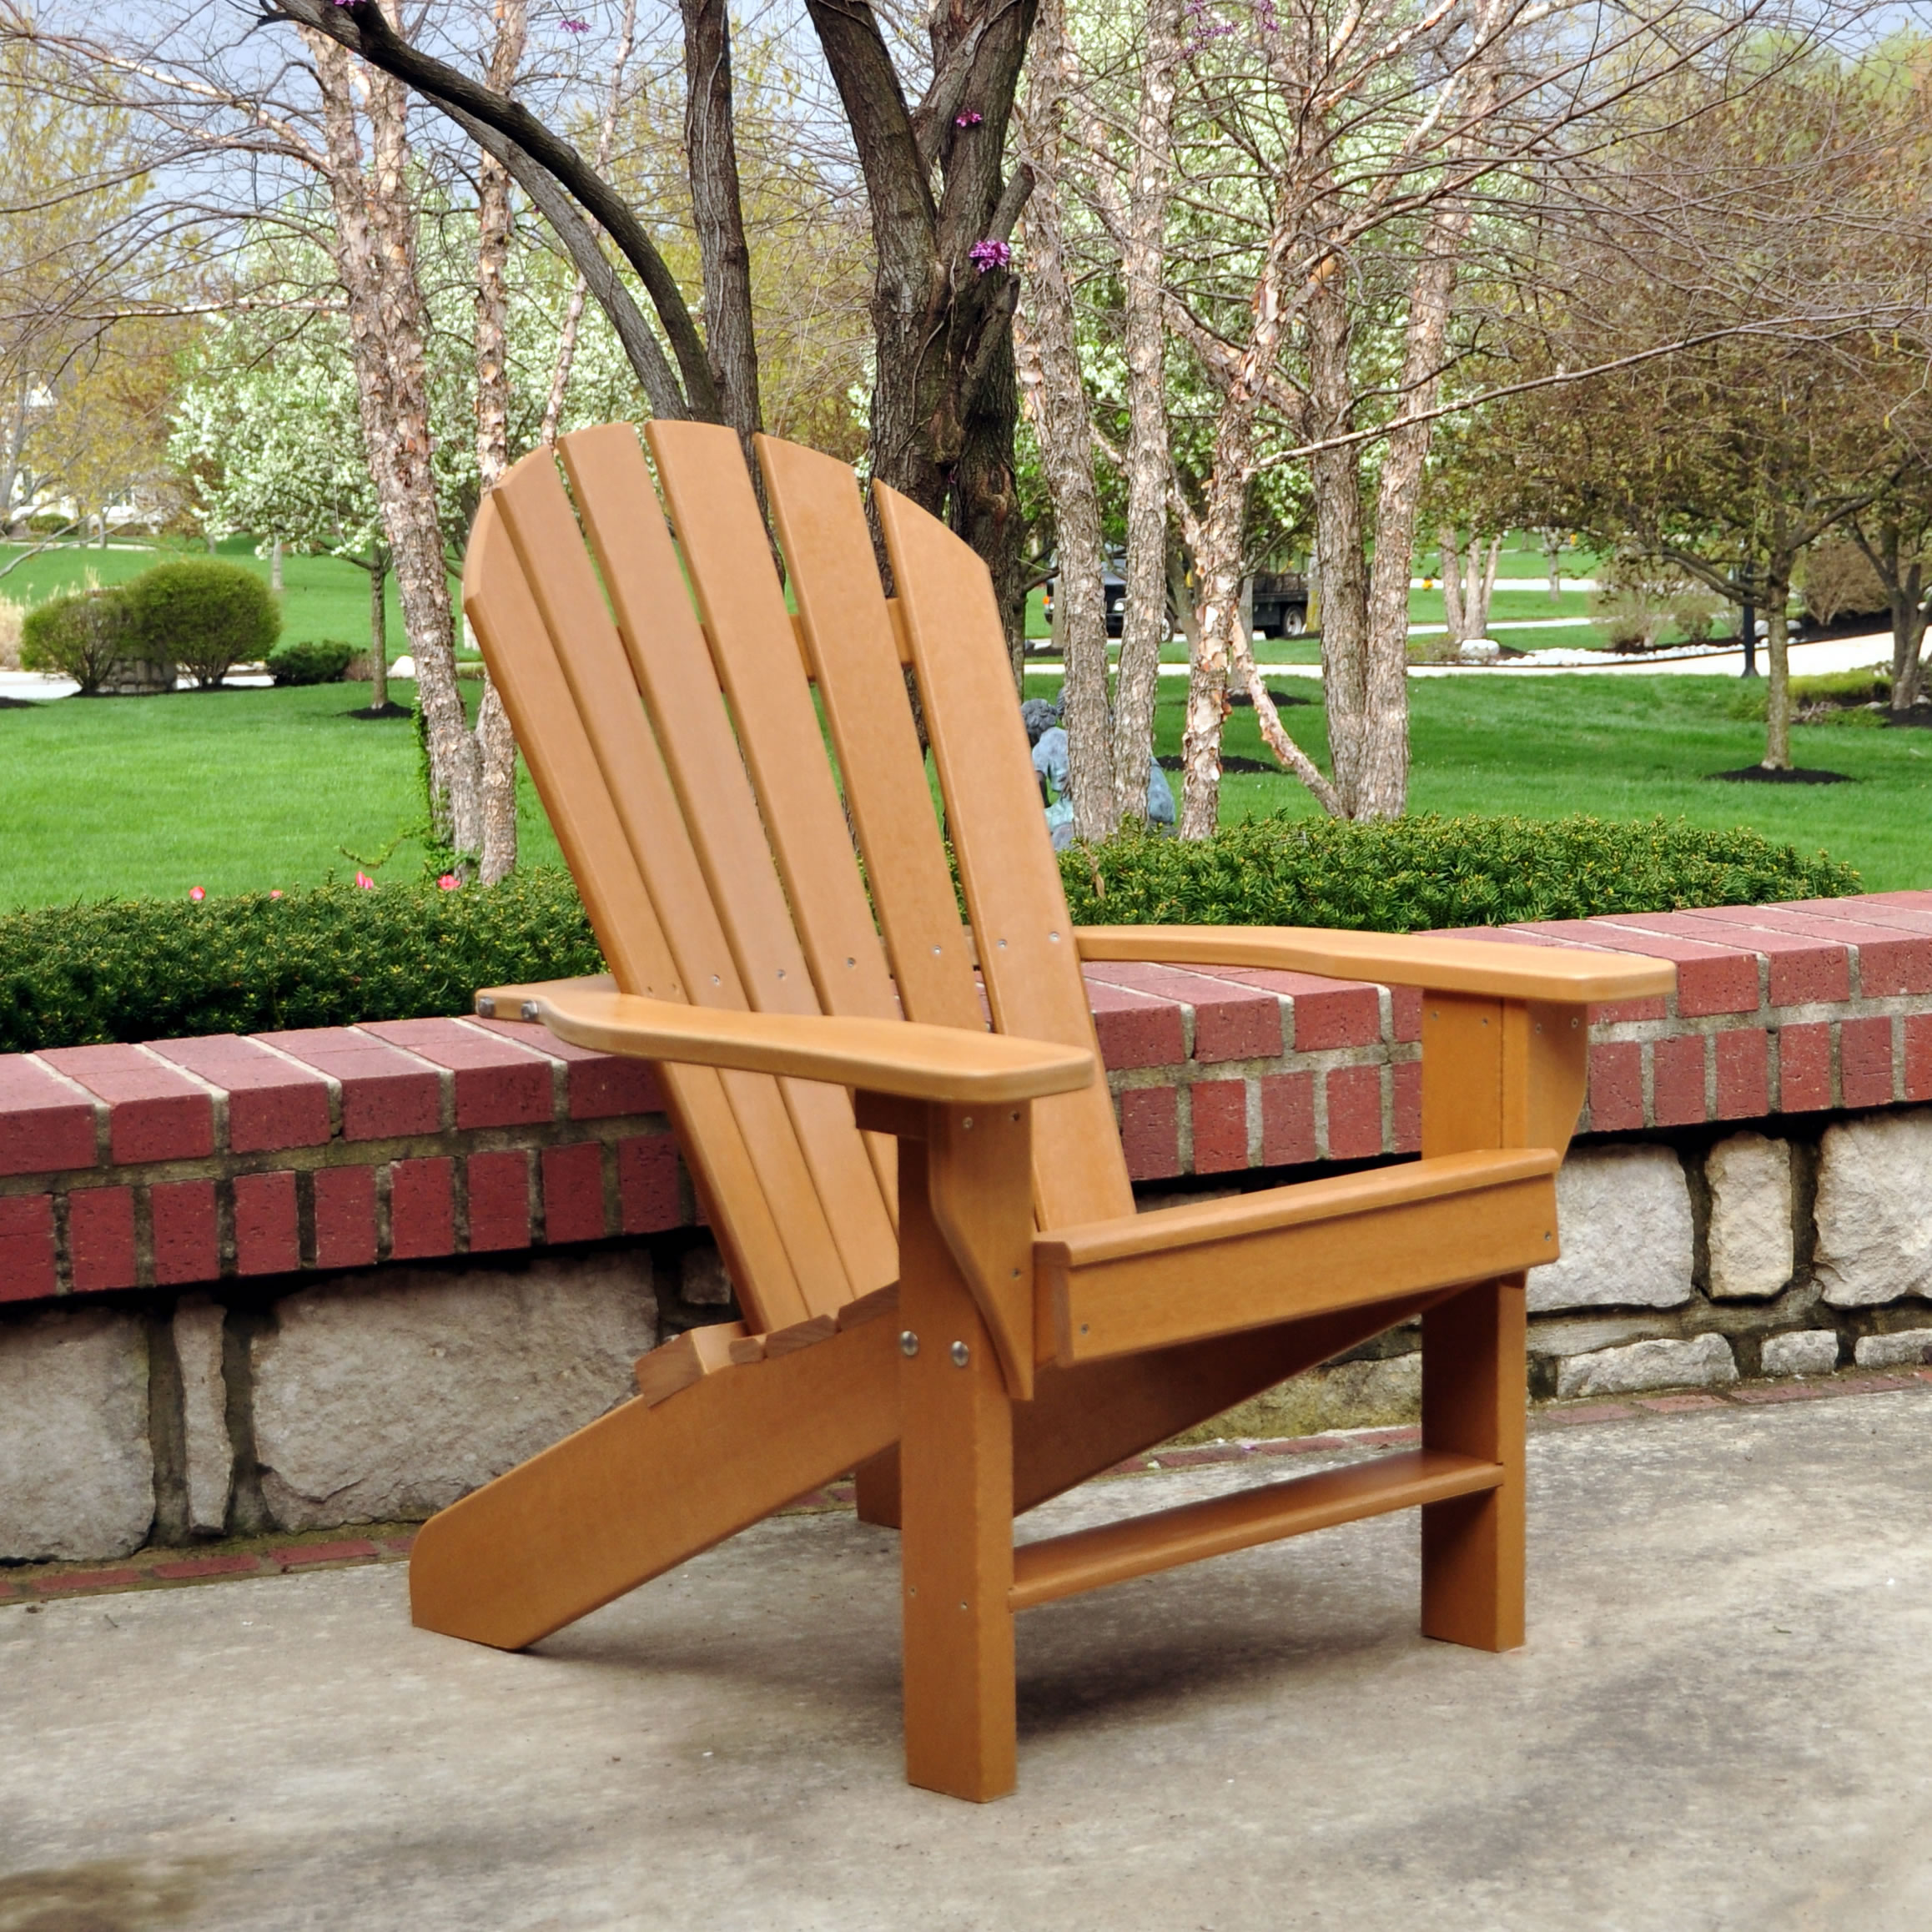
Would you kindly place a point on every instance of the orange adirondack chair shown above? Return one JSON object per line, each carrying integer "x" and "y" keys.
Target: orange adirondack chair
{"x": 975, "y": 1317}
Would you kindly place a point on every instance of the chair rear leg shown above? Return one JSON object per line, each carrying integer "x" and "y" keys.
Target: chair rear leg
{"x": 956, "y": 1543}
{"x": 1473, "y": 1402}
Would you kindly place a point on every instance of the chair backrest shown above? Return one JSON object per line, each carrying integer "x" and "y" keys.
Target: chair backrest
{"x": 684, "y": 770}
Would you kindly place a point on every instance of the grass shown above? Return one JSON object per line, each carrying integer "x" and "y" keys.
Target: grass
{"x": 322, "y": 597}
{"x": 231, "y": 790}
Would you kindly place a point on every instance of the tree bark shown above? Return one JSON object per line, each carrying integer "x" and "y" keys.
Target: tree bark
{"x": 725, "y": 259}
{"x": 1449, "y": 550}
{"x": 379, "y": 630}
{"x": 1049, "y": 362}
{"x": 1778, "y": 570}
{"x": 1143, "y": 268}
{"x": 1340, "y": 543}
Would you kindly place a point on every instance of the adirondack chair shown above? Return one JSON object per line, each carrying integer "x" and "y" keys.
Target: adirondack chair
{"x": 944, "y": 1280}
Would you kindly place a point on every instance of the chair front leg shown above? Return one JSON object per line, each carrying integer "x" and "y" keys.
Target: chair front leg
{"x": 956, "y": 1503}
{"x": 1473, "y": 1404}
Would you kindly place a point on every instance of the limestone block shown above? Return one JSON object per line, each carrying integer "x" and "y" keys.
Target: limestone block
{"x": 393, "y": 1400}
{"x": 1623, "y": 1216}
{"x": 1750, "y": 1234}
{"x": 1906, "y": 1347}
{"x": 209, "y": 1454}
{"x": 1811, "y": 1351}
{"x": 76, "y": 1472}
{"x": 1702, "y": 1362}
{"x": 1874, "y": 1208}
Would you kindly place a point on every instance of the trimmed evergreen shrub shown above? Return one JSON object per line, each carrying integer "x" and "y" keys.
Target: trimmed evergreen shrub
{"x": 153, "y": 968}
{"x": 1414, "y": 874}
{"x": 150, "y": 969}
{"x": 89, "y": 637}
{"x": 206, "y": 615}
{"x": 303, "y": 660}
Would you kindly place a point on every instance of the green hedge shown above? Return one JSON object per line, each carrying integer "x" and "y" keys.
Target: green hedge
{"x": 1412, "y": 874}
{"x": 149, "y": 969}
{"x": 310, "y": 661}
{"x": 204, "y": 615}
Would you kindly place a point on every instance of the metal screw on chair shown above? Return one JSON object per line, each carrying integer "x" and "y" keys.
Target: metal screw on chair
{"x": 961, "y": 1354}
{"x": 908, "y": 1342}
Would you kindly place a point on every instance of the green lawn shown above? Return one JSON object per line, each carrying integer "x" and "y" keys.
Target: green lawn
{"x": 243, "y": 790}
{"x": 234, "y": 790}
{"x": 322, "y": 597}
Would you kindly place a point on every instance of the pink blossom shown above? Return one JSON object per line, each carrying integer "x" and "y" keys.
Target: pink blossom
{"x": 989, "y": 254}
{"x": 569, "y": 26}
{"x": 970, "y": 118}
{"x": 197, "y": 893}
{"x": 274, "y": 892}
{"x": 448, "y": 883}
{"x": 365, "y": 882}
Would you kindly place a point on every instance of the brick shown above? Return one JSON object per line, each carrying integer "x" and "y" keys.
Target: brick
{"x": 45, "y": 1124}
{"x": 647, "y": 1190}
{"x": 573, "y": 1192}
{"x": 345, "y": 1217}
{"x": 498, "y": 1083}
{"x": 1407, "y": 1077}
{"x": 422, "y": 1208}
{"x": 1355, "y": 1112}
{"x": 1889, "y": 961}
{"x": 1743, "y": 1056}
{"x": 1919, "y": 1056}
{"x": 1616, "y": 1086}
{"x": 295, "y": 1556}
{"x": 154, "y": 1111}
{"x": 268, "y": 1238}
{"x": 100, "y": 1238}
{"x": 1675, "y": 1404}
{"x": 1803, "y": 968}
{"x": 1864, "y": 1061}
{"x": 1328, "y": 1013}
{"x": 1406, "y": 1012}
{"x": 602, "y": 1086}
{"x": 1136, "y": 1029}
{"x": 27, "y": 1272}
{"x": 1150, "y": 1135}
{"x": 68, "y": 1582}
{"x": 271, "y": 1102}
{"x": 499, "y": 1190}
{"x": 189, "y": 1567}
{"x": 1287, "y": 1119}
{"x": 1567, "y": 933}
{"x": 1220, "y": 1124}
{"x": 1710, "y": 978}
{"x": 385, "y": 1093}
{"x": 187, "y": 1245}
{"x": 1678, "y": 1079}
{"x": 1803, "y": 1068}
{"x": 1230, "y": 1021}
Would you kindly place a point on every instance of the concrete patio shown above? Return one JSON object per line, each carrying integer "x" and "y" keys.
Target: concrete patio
{"x": 1721, "y": 1720}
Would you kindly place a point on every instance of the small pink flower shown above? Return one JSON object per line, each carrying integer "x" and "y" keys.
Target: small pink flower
{"x": 448, "y": 883}
{"x": 274, "y": 892}
{"x": 989, "y": 254}
{"x": 196, "y": 893}
{"x": 970, "y": 118}
{"x": 569, "y": 26}
{"x": 365, "y": 882}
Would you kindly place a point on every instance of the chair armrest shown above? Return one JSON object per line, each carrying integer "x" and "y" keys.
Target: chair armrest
{"x": 1568, "y": 975}
{"x": 943, "y": 1064}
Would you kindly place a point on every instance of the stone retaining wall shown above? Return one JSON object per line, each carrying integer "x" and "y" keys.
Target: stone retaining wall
{"x": 307, "y": 1279}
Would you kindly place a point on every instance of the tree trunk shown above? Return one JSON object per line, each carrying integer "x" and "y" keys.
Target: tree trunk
{"x": 1479, "y": 585}
{"x": 275, "y": 581}
{"x": 725, "y": 260}
{"x": 495, "y": 746}
{"x": 1144, "y": 627}
{"x": 379, "y": 631}
{"x": 374, "y": 248}
{"x": 1341, "y": 542}
{"x": 1450, "y": 561}
{"x": 1778, "y": 684}
{"x": 1553, "y": 561}
{"x": 1048, "y": 363}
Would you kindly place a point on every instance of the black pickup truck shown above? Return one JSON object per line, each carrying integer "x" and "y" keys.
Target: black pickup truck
{"x": 1280, "y": 602}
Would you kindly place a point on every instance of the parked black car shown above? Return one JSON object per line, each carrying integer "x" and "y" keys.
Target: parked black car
{"x": 1281, "y": 602}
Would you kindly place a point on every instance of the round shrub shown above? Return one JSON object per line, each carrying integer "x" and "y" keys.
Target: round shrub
{"x": 1426, "y": 873}
{"x": 206, "y": 615}
{"x": 305, "y": 660}
{"x": 89, "y": 637}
